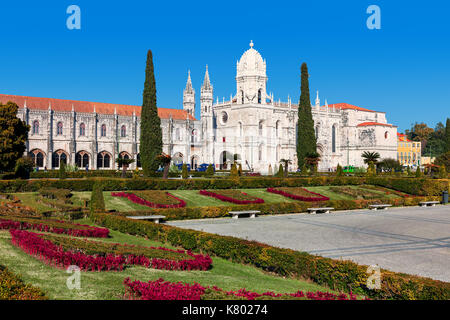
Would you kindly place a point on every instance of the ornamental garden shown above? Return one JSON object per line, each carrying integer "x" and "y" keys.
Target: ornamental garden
{"x": 55, "y": 221}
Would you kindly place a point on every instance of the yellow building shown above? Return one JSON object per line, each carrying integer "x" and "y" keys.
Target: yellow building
{"x": 408, "y": 152}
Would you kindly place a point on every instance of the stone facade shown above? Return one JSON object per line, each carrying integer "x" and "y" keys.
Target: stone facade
{"x": 251, "y": 125}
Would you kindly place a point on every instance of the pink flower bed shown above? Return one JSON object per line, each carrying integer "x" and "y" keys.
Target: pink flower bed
{"x": 230, "y": 199}
{"x": 297, "y": 197}
{"x": 52, "y": 226}
{"x": 165, "y": 290}
{"x": 55, "y": 255}
{"x": 134, "y": 198}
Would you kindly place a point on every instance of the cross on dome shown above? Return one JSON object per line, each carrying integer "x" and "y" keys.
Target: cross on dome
{"x": 251, "y": 44}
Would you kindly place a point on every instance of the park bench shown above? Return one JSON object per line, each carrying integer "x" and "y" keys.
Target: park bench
{"x": 155, "y": 219}
{"x": 379, "y": 206}
{"x": 251, "y": 213}
{"x": 315, "y": 210}
{"x": 428, "y": 203}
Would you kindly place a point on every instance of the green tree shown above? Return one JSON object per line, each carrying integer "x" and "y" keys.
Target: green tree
{"x": 447, "y": 136}
{"x": 240, "y": 169}
{"x": 62, "y": 170}
{"x": 418, "y": 172}
{"x": 306, "y": 138}
{"x": 234, "y": 171}
{"x": 151, "y": 134}
{"x": 443, "y": 160}
{"x": 209, "y": 171}
{"x": 370, "y": 157}
{"x": 286, "y": 163}
{"x": 23, "y": 168}
{"x": 312, "y": 161}
{"x": 280, "y": 173}
{"x": 339, "y": 171}
{"x": 13, "y": 135}
{"x": 389, "y": 165}
{"x": 408, "y": 171}
{"x": 97, "y": 203}
{"x": 124, "y": 164}
{"x": 442, "y": 172}
{"x": 371, "y": 171}
{"x": 184, "y": 171}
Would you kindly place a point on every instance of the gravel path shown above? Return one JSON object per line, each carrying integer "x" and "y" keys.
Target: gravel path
{"x": 413, "y": 240}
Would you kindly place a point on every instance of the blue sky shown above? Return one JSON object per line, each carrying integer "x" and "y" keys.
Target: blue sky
{"x": 402, "y": 69}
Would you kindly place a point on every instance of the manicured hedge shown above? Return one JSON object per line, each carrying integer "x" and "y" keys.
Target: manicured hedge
{"x": 13, "y": 288}
{"x": 339, "y": 275}
{"x": 415, "y": 186}
{"x": 273, "y": 208}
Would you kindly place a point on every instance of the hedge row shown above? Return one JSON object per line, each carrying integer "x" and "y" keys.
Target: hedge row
{"x": 412, "y": 186}
{"x": 273, "y": 208}
{"x": 13, "y": 288}
{"x": 336, "y": 274}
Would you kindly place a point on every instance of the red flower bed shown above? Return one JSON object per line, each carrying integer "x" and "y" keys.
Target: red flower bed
{"x": 317, "y": 196}
{"x": 231, "y": 199}
{"x": 165, "y": 290}
{"x": 53, "y": 226}
{"x": 47, "y": 251}
{"x": 134, "y": 198}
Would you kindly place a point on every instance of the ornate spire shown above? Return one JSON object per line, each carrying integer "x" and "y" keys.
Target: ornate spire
{"x": 206, "y": 82}
{"x": 189, "y": 88}
{"x": 317, "y": 99}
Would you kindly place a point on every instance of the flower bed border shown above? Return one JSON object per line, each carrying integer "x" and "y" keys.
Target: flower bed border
{"x": 36, "y": 245}
{"x": 300, "y": 198}
{"x": 230, "y": 199}
{"x": 134, "y": 198}
{"x": 166, "y": 290}
{"x": 44, "y": 225}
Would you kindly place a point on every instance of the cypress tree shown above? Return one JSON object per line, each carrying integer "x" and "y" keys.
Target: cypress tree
{"x": 306, "y": 138}
{"x": 339, "y": 171}
{"x": 418, "y": 172}
{"x": 184, "y": 171}
{"x": 62, "y": 170}
{"x": 209, "y": 171}
{"x": 97, "y": 201}
{"x": 280, "y": 173}
{"x": 151, "y": 134}
{"x": 447, "y": 136}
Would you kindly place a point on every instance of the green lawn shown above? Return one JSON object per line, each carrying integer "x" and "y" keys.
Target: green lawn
{"x": 30, "y": 199}
{"x": 109, "y": 285}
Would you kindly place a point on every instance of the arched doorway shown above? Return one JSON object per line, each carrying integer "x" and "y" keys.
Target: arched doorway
{"x": 37, "y": 156}
{"x": 58, "y": 157}
{"x": 82, "y": 159}
{"x": 194, "y": 162}
{"x": 226, "y": 158}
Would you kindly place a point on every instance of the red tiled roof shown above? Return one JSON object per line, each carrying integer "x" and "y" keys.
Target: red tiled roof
{"x": 344, "y": 106}
{"x": 88, "y": 107}
{"x": 403, "y": 137}
{"x": 365, "y": 124}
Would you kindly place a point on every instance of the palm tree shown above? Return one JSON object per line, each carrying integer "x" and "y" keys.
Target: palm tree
{"x": 370, "y": 157}
{"x": 124, "y": 163}
{"x": 164, "y": 160}
{"x": 312, "y": 159}
{"x": 286, "y": 165}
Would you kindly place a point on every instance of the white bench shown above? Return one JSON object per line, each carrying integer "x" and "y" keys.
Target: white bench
{"x": 155, "y": 219}
{"x": 315, "y": 210}
{"x": 379, "y": 206}
{"x": 428, "y": 203}
{"x": 252, "y": 213}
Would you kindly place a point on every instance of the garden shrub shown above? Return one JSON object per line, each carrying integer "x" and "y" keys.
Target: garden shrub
{"x": 184, "y": 171}
{"x": 97, "y": 202}
{"x": 13, "y": 288}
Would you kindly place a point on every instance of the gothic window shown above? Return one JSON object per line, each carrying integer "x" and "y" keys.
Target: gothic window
{"x": 194, "y": 136}
{"x": 103, "y": 160}
{"x": 59, "y": 128}
{"x": 260, "y": 128}
{"x": 82, "y": 159}
{"x": 241, "y": 133}
{"x": 37, "y": 156}
{"x": 278, "y": 151}
{"x": 259, "y": 96}
{"x": 277, "y": 128}
{"x": 260, "y": 149}
{"x": 103, "y": 130}
{"x": 123, "y": 131}
{"x": 242, "y": 95}
{"x": 82, "y": 129}
{"x": 58, "y": 158}
{"x": 177, "y": 134}
{"x": 317, "y": 132}
{"x": 35, "y": 127}
{"x": 333, "y": 139}
{"x": 386, "y": 135}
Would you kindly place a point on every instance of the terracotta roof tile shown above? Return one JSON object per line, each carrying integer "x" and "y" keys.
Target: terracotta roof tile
{"x": 344, "y": 106}
{"x": 88, "y": 107}
{"x": 366, "y": 124}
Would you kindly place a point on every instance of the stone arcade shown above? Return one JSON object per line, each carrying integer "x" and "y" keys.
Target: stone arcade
{"x": 252, "y": 125}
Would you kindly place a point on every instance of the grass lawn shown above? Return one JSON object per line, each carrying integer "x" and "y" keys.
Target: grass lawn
{"x": 30, "y": 199}
{"x": 325, "y": 190}
{"x": 109, "y": 285}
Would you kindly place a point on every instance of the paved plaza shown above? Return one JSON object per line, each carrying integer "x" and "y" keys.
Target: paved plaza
{"x": 413, "y": 240}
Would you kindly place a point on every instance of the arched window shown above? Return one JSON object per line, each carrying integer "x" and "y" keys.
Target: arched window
{"x": 260, "y": 128}
{"x": 194, "y": 136}
{"x": 123, "y": 131}
{"x": 317, "y": 132}
{"x": 242, "y": 96}
{"x": 59, "y": 128}
{"x": 333, "y": 139}
{"x": 35, "y": 127}
{"x": 259, "y": 96}
{"x": 82, "y": 129}
{"x": 277, "y": 128}
{"x": 177, "y": 134}
{"x": 37, "y": 156}
{"x": 241, "y": 131}
{"x": 58, "y": 157}
{"x": 386, "y": 135}
{"x": 278, "y": 151}
{"x": 103, "y": 130}
{"x": 82, "y": 159}
{"x": 103, "y": 160}
{"x": 260, "y": 149}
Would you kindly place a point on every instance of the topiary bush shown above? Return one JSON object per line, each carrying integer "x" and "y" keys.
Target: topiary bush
{"x": 97, "y": 203}
{"x": 184, "y": 171}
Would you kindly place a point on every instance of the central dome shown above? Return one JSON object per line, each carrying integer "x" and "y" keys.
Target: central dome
{"x": 251, "y": 63}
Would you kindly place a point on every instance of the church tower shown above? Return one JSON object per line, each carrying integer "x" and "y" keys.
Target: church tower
{"x": 189, "y": 96}
{"x": 207, "y": 119}
{"x": 251, "y": 78}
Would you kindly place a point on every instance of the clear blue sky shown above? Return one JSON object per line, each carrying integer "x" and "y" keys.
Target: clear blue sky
{"x": 402, "y": 69}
